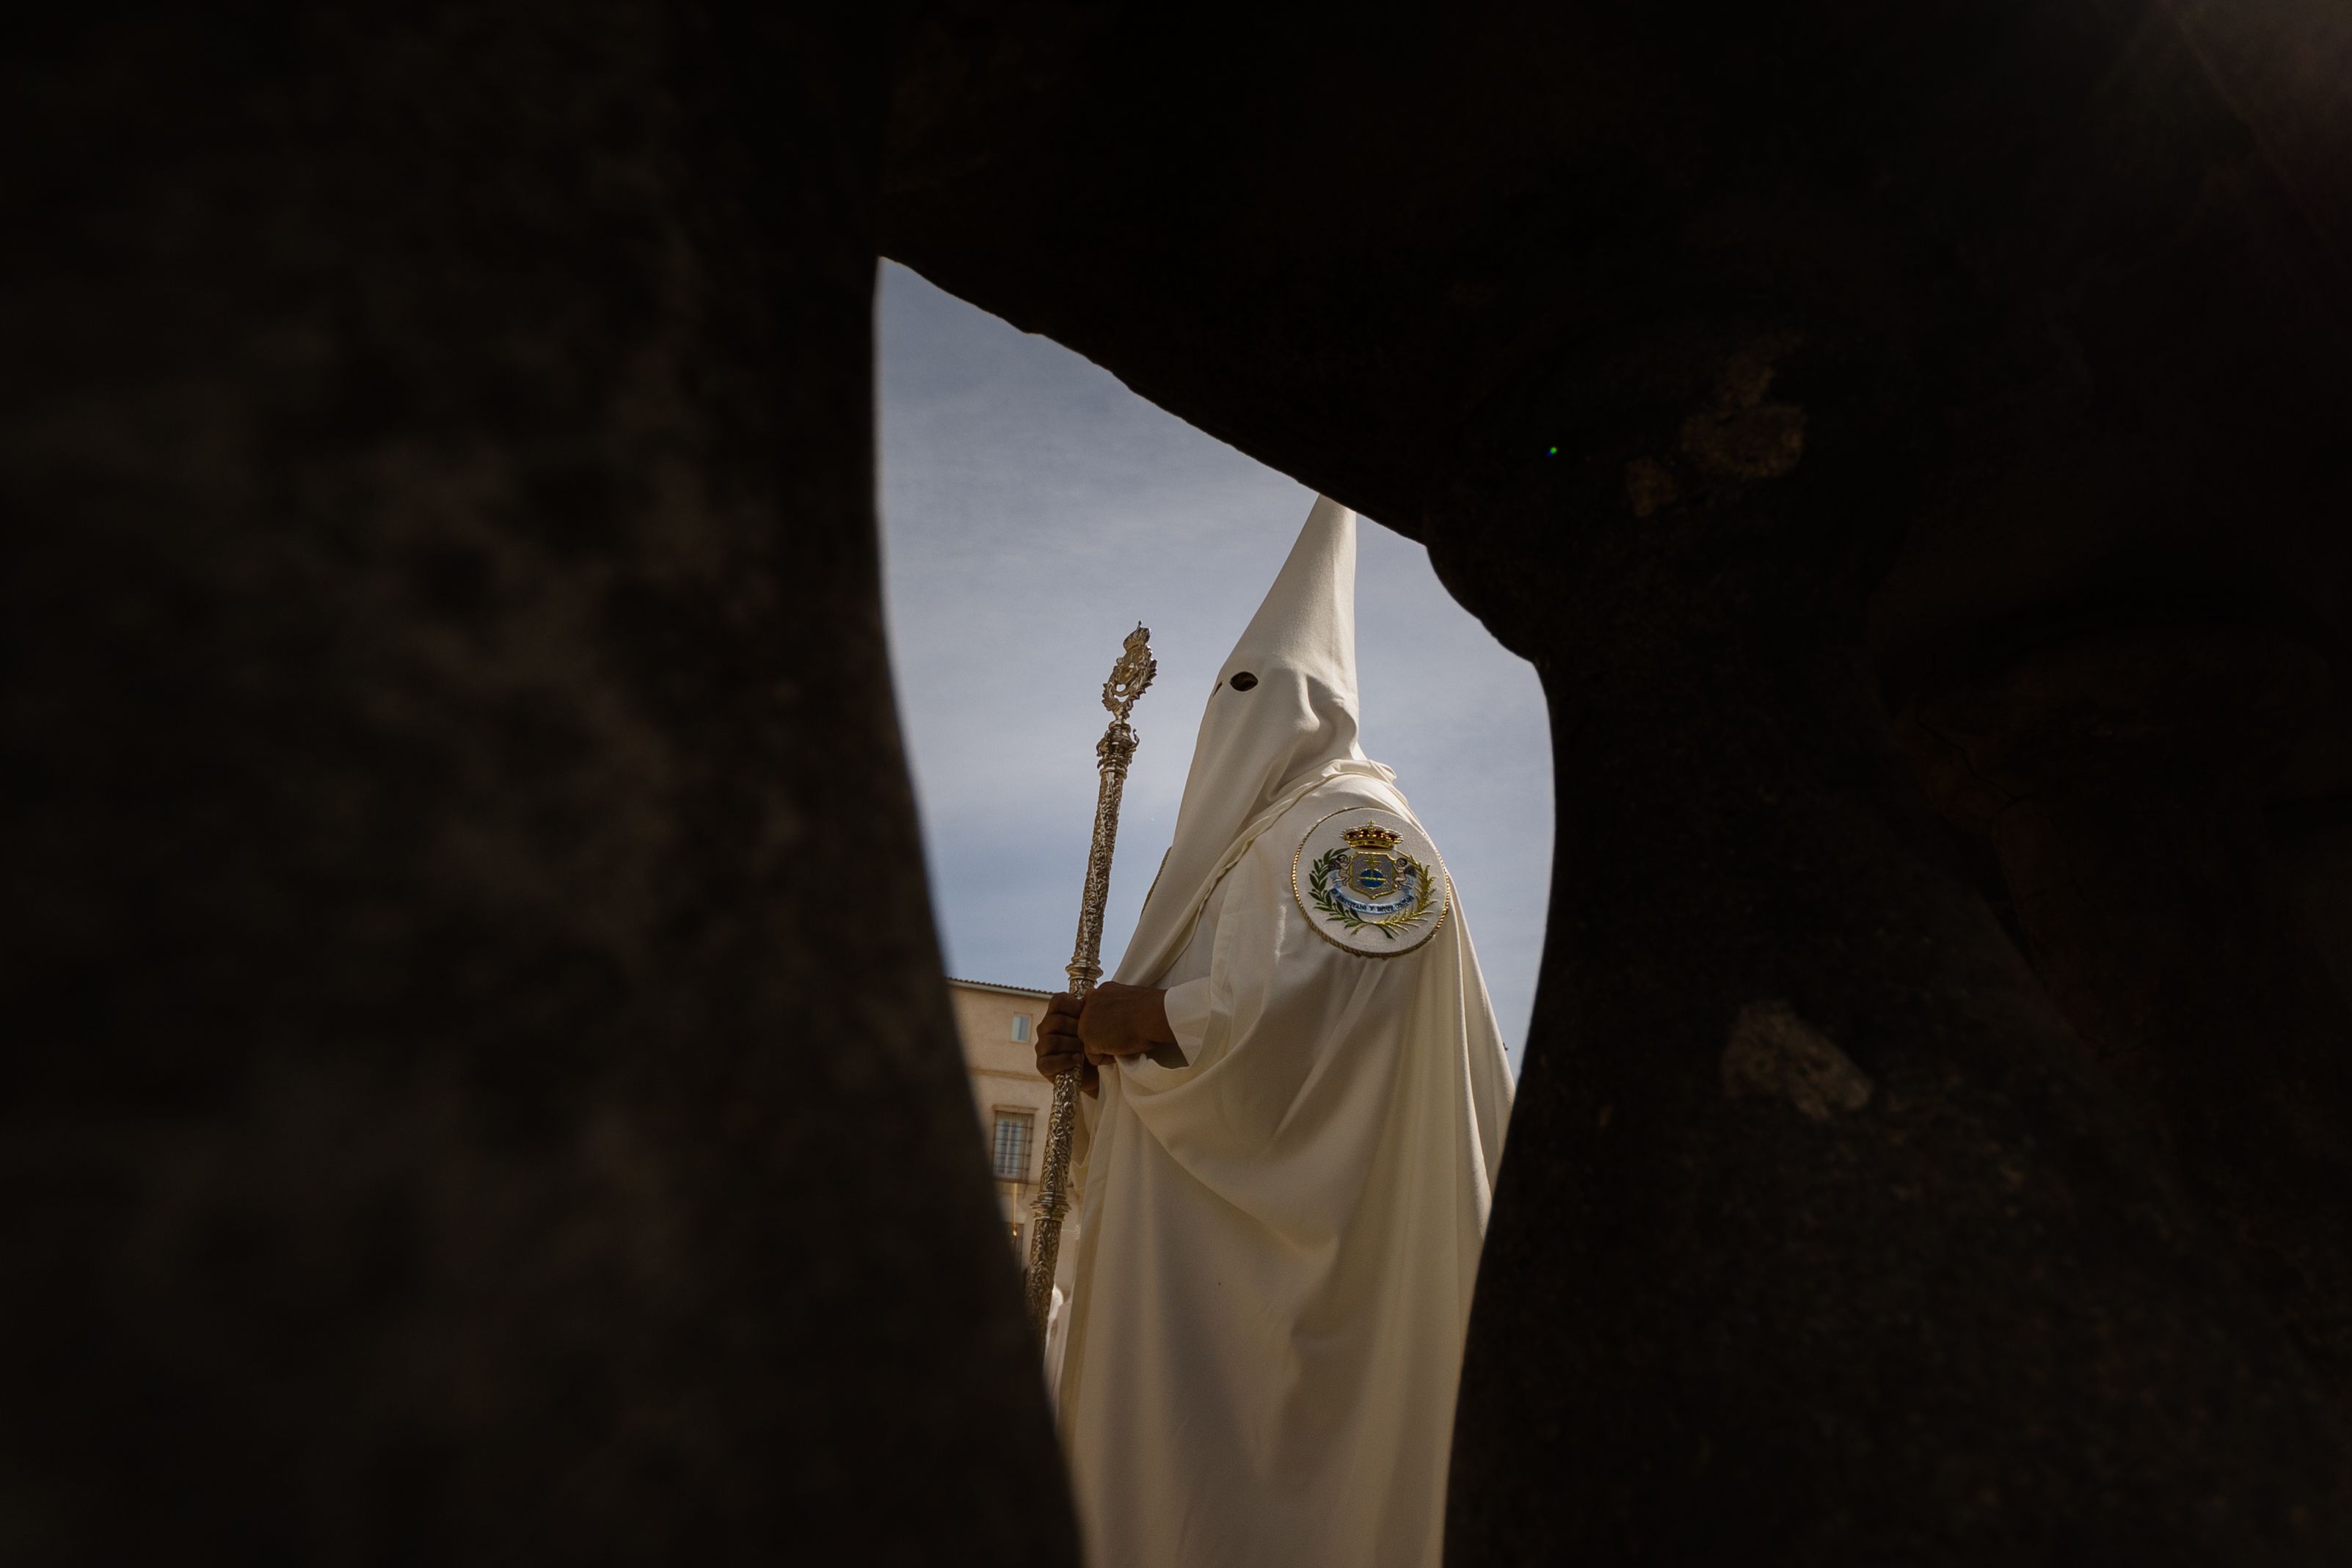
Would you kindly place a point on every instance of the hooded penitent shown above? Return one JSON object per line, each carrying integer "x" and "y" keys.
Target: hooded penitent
{"x": 1281, "y": 1217}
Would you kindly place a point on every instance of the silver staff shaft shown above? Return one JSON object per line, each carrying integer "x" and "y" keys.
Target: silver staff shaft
{"x": 1128, "y": 678}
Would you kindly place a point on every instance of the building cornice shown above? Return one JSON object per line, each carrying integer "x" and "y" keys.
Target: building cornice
{"x": 993, "y": 986}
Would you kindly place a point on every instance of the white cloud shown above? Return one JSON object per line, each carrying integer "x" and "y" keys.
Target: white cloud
{"x": 1033, "y": 510}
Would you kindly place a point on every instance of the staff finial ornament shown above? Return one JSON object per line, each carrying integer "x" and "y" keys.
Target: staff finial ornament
{"x": 1131, "y": 674}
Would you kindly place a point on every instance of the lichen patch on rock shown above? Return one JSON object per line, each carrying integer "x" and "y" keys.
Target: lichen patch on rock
{"x": 1739, "y": 435}
{"x": 1774, "y": 1055}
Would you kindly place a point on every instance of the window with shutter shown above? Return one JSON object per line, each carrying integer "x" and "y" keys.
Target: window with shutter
{"x": 1011, "y": 1146}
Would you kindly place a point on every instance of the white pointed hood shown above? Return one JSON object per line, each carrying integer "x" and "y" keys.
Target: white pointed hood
{"x": 1281, "y": 721}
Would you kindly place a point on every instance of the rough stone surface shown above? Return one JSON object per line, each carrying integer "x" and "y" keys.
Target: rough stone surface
{"x": 2120, "y": 778}
{"x": 1743, "y": 367}
{"x": 481, "y": 1086}
{"x": 1971, "y": 1319}
{"x": 1776, "y": 1055}
{"x": 478, "y": 1087}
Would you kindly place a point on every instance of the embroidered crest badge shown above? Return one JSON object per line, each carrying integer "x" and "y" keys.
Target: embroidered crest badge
{"x": 1371, "y": 882}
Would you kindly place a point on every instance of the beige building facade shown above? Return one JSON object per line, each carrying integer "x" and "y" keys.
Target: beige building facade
{"x": 998, "y": 1028}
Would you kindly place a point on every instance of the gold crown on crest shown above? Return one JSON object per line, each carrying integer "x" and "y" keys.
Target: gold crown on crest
{"x": 1371, "y": 837}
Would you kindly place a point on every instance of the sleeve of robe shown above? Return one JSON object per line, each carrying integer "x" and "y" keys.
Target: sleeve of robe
{"x": 1304, "y": 1063}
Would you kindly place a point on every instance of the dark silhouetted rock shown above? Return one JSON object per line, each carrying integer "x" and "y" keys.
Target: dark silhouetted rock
{"x": 1745, "y": 368}
{"x": 478, "y": 1084}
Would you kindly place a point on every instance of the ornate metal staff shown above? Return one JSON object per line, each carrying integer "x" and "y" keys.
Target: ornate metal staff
{"x": 1113, "y": 752}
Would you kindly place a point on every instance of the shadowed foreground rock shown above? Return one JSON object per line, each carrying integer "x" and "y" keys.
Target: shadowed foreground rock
{"x": 1742, "y": 367}
{"x": 481, "y": 1087}
{"x": 477, "y": 1083}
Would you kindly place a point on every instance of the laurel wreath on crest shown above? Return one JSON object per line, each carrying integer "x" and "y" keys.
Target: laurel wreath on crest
{"x": 1319, "y": 878}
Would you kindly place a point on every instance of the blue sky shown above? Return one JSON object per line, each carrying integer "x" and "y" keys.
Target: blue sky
{"x": 1033, "y": 510}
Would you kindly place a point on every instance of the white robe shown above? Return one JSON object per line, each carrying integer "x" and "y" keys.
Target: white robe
{"x": 1279, "y": 1237}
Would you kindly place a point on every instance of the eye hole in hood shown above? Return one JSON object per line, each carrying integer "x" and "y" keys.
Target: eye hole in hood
{"x": 1243, "y": 681}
